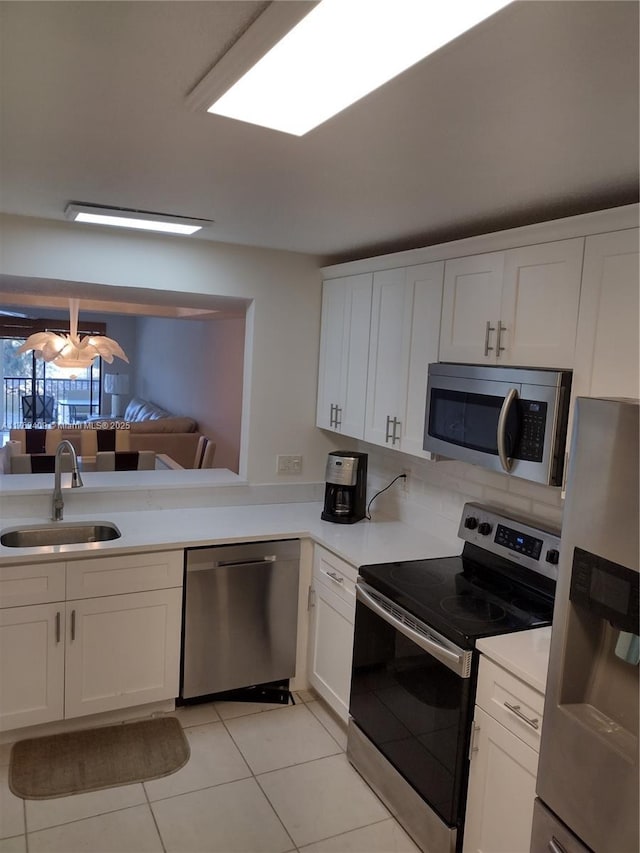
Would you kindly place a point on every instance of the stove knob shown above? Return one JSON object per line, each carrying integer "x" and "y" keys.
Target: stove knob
{"x": 484, "y": 529}
{"x": 553, "y": 556}
{"x": 471, "y": 522}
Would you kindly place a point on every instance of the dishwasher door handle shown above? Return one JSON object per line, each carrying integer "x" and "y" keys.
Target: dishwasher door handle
{"x": 208, "y": 567}
{"x": 270, "y": 558}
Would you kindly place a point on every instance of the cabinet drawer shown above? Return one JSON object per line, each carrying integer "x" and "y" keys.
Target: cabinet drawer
{"x": 334, "y": 573}
{"x": 37, "y": 583}
{"x": 123, "y": 574}
{"x": 499, "y": 689}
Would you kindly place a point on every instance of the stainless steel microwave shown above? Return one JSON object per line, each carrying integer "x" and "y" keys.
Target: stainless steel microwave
{"x": 507, "y": 419}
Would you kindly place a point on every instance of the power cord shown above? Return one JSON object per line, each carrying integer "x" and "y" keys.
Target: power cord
{"x": 395, "y": 479}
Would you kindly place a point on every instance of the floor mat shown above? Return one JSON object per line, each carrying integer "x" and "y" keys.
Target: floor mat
{"x": 91, "y": 759}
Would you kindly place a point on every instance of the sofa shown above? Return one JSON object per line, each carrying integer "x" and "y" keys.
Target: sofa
{"x": 151, "y": 427}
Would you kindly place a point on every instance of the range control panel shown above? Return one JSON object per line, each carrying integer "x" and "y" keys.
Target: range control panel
{"x": 511, "y": 537}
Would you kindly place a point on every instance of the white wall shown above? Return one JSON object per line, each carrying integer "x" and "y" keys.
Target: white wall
{"x": 285, "y": 289}
{"x": 194, "y": 368}
{"x": 123, "y": 330}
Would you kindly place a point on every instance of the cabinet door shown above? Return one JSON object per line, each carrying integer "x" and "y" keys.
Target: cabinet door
{"x": 607, "y": 344}
{"x": 344, "y": 354}
{"x": 122, "y": 650}
{"x": 405, "y": 331}
{"x": 424, "y": 286}
{"x": 502, "y": 790}
{"x": 331, "y": 647}
{"x": 31, "y": 665}
{"x": 539, "y": 311}
{"x": 471, "y": 308}
{"x": 388, "y": 358}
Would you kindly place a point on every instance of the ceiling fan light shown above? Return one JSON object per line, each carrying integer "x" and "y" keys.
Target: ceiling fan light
{"x": 71, "y": 350}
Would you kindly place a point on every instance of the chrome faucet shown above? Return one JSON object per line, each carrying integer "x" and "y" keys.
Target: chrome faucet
{"x": 76, "y": 479}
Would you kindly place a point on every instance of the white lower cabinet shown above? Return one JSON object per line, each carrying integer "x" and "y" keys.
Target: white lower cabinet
{"x": 504, "y": 763}
{"x": 31, "y": 665}
{"x": 62, "y": 659}
{"x": 502, "y": 789}
{"x": 122, "y": 650}
{"x": 332, "y": 604}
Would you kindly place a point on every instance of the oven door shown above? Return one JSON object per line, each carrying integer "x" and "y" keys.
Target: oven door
{"x": 411, "y": 692}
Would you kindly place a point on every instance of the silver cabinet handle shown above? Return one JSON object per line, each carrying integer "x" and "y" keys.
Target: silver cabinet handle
{"x": 396, "y": 424}
{"x": 335, "y": 577}
{"x": 499, "y": 348}
{"x": 331, "y": 420}
{"x": 472, "y": 743}
{"x": 391, "y": 430}
{"x": 73, "y": 624}
{"x": 387, "y": 435}
{"x": 555, "y": 846}
{"x": 505, "y": 460}
{"x": 58, "y": 627}
{"x": 338, "y": 419}
{"x": 534, "y": 723}
{"x": 488, "y": 330}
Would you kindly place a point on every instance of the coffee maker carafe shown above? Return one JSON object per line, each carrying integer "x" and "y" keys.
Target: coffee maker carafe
{"x": 345, "y": 493}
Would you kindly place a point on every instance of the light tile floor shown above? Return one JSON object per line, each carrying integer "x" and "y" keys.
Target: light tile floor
{"x": 261, "y": 779}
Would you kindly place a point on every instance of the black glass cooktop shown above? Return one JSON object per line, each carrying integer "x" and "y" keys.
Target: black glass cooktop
{"x": 461, "y": 598}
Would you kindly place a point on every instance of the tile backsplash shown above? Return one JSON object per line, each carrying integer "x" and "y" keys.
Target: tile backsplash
{"x": 436, "y": 491}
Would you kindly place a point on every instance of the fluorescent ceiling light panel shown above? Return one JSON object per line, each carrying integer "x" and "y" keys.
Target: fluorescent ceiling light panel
{"x": 341, "y": 51}
{"x": 123, "y": 218}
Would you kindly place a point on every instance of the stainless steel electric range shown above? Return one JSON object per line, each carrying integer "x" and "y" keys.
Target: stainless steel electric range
{"x": 415, "y": 665}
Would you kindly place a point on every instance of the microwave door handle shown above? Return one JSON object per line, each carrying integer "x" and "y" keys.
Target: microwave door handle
{"x": 505, "y": 460}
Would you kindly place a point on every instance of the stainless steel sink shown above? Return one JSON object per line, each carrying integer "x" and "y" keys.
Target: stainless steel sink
{"x": 60, "y": 533}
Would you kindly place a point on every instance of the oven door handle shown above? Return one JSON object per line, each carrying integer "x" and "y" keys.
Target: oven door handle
{"x": 458, "y": 661}
{"x": 505, "y": 460}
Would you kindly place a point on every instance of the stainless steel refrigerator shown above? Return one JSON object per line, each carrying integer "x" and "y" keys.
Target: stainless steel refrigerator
{"x": 588, "y": 771}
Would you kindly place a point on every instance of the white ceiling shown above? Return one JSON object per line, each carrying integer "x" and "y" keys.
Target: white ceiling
{"x": 532, "y": 115}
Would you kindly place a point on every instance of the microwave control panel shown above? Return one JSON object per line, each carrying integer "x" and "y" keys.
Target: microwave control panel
{"x": 533, "y": 417}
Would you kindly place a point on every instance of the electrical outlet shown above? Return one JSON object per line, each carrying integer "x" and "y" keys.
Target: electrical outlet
{"x": 403, "y": 482}
{"x": 289, "y": 464}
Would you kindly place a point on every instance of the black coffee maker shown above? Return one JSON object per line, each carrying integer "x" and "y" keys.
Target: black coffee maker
{"x": 345, "y": 495}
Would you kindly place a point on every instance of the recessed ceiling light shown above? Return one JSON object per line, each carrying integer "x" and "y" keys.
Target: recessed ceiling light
{"x": 122, "y": 217}
{"x": 338, "y": 53}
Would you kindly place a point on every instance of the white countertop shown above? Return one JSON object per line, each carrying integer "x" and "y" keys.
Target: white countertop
{"x": 525, "y": 654}
{"x": 380, "y": 540}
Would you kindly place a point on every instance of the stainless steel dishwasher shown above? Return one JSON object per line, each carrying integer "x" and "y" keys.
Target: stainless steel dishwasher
{"x": 240, "y": 616}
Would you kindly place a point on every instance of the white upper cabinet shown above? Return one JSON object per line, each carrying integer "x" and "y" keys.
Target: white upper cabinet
{"x": 471, "y": 308}
{"x": 344, "y": 354}
{"x": 518, "y": 307}
{"x": 607, "y": 346}
{"x": 405, "y": 324}
{"x": 540, "y": 298}
{"x": 566, "y": 297}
